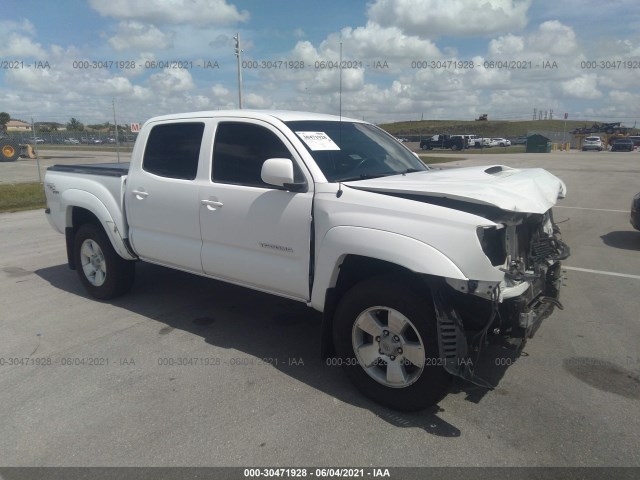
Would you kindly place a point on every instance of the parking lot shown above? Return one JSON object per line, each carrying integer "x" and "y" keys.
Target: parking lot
{"x": 186, "y": 371}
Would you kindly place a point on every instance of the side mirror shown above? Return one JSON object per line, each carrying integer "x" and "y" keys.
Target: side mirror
{"x": 279, "y": 172}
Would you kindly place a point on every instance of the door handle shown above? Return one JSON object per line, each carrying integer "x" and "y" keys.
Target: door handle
{"x": 140, "y": 195}
{"x": 212, "y": 204}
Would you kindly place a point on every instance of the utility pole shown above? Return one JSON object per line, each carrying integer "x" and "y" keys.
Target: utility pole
{"x": 35, "y": 146}
{"x": 113, "y": 104}
{"x": 238, "y": 55}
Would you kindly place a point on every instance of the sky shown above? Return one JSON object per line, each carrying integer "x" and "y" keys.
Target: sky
{"x": 401, "y": 59}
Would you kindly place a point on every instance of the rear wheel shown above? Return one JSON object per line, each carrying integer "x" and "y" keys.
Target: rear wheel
{"x": 9, "y": 150}
{"x": 103, "y": 272}
{"x": 385, "y": 337}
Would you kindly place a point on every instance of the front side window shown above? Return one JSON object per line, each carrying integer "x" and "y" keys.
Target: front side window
{"x": 239, "y": 151}
{"x": 173, "y": 150}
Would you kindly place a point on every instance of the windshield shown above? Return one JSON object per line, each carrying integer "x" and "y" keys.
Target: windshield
{"x": 347, "y": 151}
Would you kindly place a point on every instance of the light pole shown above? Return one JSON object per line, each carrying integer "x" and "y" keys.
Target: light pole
{"x": 238, "y": 55}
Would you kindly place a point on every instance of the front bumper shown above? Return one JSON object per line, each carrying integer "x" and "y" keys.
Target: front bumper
{"x": 471, "y": 314}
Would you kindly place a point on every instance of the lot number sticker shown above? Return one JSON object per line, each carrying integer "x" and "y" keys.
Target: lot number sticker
{"x": 318, "y": 141}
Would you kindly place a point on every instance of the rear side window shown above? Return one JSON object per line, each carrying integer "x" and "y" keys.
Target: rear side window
{"x": 240, "y": 150}
{"x": 173, "y": 150}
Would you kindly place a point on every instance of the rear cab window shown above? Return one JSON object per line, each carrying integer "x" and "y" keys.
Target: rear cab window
{"x": 173, "y": 149}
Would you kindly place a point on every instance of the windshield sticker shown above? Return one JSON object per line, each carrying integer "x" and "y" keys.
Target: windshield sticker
{"x": 318, "y": 141}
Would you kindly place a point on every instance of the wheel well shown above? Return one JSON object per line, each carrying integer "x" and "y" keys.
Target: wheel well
{"x": 353, "y": 270}
{"x": 79, "y": 216}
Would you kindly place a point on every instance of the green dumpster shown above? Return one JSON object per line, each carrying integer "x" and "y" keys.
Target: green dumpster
{"x": 538, "y": 144}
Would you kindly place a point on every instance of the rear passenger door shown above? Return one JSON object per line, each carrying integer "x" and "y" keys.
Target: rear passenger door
{"x": 162, "y": 200}
{"x": 253, "y": 233}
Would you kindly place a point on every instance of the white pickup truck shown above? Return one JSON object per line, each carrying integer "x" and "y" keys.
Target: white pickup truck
{"x": 414, "y": 269}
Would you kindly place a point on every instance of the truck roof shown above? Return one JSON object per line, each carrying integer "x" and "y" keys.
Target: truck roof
{"x": 283, "y": 115}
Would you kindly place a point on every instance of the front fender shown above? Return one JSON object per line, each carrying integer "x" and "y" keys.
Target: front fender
{"x": 391, "y": 247}
{"x": 79, "y": 198}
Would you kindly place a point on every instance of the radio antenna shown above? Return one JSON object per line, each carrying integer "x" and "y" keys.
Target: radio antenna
{"x": 340, "y": 69}
{"x": 340, "y": 98}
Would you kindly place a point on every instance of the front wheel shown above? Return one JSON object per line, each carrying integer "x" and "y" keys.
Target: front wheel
{"x": 385, "y": 337}
{"x": 103, "y": 272}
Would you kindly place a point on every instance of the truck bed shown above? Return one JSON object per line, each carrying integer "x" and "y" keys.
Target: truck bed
{"x": 105, "y": 169}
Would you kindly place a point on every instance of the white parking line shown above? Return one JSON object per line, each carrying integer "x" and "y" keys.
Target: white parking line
{"x": 602, "y": 272}
{"x": 594, "y": 209}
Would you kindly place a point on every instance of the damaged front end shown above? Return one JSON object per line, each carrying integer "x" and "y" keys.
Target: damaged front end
{"x": 528, "y": 249}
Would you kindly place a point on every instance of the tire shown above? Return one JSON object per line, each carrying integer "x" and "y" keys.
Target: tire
{"x": 393, "y": 351}
{"x": 9, "y": 150}
{"x": 454, "y": 148}
{"x": 103, "y": 273}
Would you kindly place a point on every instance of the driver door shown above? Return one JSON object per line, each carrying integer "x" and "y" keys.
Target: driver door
{"x": 253, "y": 233}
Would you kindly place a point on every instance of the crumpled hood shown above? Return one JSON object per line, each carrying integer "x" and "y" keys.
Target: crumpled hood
{"x": 531, "y": 190}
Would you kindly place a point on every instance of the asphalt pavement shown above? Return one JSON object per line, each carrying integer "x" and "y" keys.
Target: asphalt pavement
{"x": 187, "y": 371}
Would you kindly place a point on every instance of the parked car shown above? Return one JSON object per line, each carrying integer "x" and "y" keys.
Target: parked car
{"x": 635, "y": 212}
{"x": 500, "y": 142}
{"x": 474, "y": 141}
{"x": 521, "y": 140}
{"x": 443, "y": 141}
{"x": 406, "y": 263}
{"x": 635, "y": 139}
{"x": 622, "y": 145}
{"x": 71, "y": 141}
{"x": 592, "y": 143}
{"x": 469, "y": 140}
{"x": 36, "y": 140}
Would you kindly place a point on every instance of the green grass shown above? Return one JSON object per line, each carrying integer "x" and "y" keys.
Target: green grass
{"x": 87, "y": 148}
{"x": 21, "y": 196}
{"x": 490, "y": 128}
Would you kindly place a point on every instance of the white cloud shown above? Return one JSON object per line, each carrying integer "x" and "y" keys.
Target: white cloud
{"x": 32, "y": 80}
{"x": 196, "y": 12}
{"x": 133, "y": 35}
{"x": 253, "y": 100}
{"x": 376, "y": 42}
{"x": 554, "y": 39}
{"x": 431, "y": 18}
{"x": 20, "y": 47}
{"x": 506, "y": 45}
{"x": 584, "y": 86}
{"x": 171, "y": 80}
{"x": 219, "y": 90}
{"x": 24, "y": 26}
{"x": 197, "y": 102}
{"x": 624, "y": 98}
